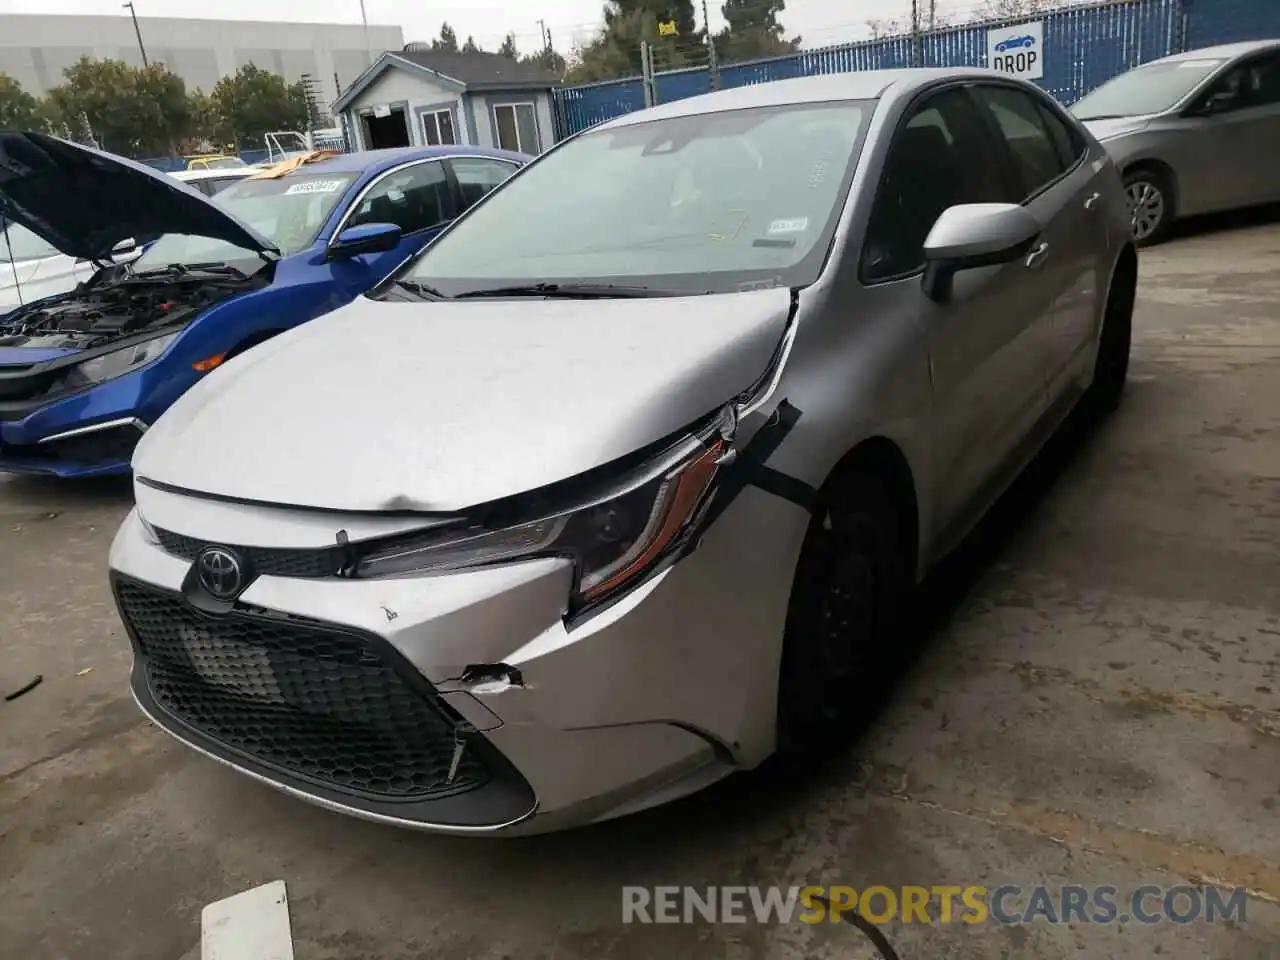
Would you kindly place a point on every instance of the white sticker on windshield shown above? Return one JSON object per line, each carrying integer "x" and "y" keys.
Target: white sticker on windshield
{"x": 316, "y": 186}
{"x": 1198, "y": 64}
{"x": 795, "y": 225}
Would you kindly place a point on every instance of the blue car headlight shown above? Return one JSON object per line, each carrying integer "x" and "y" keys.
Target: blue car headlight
{"x": 108, "y": 366}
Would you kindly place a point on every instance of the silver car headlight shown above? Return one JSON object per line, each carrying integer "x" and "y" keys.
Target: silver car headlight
{"x": 616, "y": 539}
{"x": 108, "y": 366}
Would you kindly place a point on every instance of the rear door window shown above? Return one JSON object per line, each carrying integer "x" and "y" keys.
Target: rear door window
{"x": 1037, "y": 156}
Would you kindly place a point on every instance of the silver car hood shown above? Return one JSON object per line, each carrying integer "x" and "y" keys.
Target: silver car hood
{"x": 440, "y": 406}
{"x": 1116, "y": 127}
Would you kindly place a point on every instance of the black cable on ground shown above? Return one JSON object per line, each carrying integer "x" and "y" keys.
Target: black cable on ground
{"x": 871, "y": 930}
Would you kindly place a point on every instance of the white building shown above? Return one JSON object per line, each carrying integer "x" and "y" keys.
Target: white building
{"x": 417, "y": 96}
{"x": 36, "y": 48}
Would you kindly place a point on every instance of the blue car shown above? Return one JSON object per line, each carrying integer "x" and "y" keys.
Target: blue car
{"x": 83, "y": 374}
{"x": 1015, "y": 43}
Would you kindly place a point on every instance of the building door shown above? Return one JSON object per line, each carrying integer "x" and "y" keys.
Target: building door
{"x": 383, "y": 132}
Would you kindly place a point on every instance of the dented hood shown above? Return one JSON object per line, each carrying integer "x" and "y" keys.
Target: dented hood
{"x": 84, "y": 201}
{"x": 441, "y": 406}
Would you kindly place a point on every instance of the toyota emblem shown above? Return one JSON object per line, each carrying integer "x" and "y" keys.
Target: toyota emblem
{"x": 221, "y": 572}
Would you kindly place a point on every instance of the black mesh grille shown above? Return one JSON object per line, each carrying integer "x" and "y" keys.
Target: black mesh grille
{"x": 317, "y": 702}
{"x": 264, "y": 561}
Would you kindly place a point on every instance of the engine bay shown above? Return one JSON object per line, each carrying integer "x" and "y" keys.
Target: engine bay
{"x": 117, "y": 304}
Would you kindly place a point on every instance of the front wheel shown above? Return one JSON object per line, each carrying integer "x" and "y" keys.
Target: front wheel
{"x": 845, "y": 619}
{"x": 1150, "y": 202}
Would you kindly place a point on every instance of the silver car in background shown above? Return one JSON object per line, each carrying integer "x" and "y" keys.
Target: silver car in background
{"x": 1194, "y": 133}
{"x": 623, "y": 483}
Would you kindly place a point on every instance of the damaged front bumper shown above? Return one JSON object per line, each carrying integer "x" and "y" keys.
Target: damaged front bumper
{"x": 458, "y": 703}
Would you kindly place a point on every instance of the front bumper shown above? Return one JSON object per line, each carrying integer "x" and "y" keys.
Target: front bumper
{"x": 322, "y": 686}
{"x": 99, "y": 449}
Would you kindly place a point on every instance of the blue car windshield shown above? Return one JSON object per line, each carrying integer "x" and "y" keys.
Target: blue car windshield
{"x": 709, "y": 202}
{"x": 288, "y": 211}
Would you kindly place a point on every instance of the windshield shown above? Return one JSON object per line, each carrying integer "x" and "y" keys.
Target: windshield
{"x": 713, "y": 202}
{"x": 25, "y": 244}
{"x": 288, "y": 211}
{"x": 1151, "y": 89}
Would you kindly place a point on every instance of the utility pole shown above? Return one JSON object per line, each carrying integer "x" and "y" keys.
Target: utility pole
{"x": 916, "y": 59}
{"x": 546, "y": 39}
{"x": 713, "y": 66}
{"x": 137, "y": 32}
{"x": 368, "y": 47}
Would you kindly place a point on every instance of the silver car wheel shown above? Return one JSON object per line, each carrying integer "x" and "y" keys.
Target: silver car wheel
{"x": 1146, "y": 208}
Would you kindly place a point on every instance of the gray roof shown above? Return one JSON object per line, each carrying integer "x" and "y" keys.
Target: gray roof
{"x": 480, "y": 70}
{"x": 865, "y": 85}
{"x": 1227, "y": 51}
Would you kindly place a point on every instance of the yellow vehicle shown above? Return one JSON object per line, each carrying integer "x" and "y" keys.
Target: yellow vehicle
{"x": 214, "y": 161}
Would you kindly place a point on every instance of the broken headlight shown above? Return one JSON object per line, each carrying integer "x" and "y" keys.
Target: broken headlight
{"x": 108, "y": 366}
{"x": 615, "y": 539}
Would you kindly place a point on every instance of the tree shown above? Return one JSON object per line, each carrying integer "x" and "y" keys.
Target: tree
{"x": 508, "y": 48}
{"x": 19, "y": 110}
{"x": 884, "y": 28}
{"x": 447, "y": 42}
{"x": 615, "y": 49}
{"x": 254, "y": 102}
{"x": 752, "y": 30}
{"x": 138, "y": 111}
{"x": 471, "y": 46}
{"x": 1008, "y": 9}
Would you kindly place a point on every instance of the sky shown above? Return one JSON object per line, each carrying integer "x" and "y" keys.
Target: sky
{"x": 818, "y": 22}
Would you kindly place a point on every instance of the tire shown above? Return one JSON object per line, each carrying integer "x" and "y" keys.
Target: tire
{"x": 1149, "y": 193}
{"x": 854, "y": 574}
{"x": 1111, "y": 368}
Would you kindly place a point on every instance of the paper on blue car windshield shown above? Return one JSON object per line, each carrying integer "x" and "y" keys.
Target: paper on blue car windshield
{"x": 316, "y": 186}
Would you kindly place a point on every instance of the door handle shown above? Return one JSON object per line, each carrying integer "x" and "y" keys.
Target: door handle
{"x": 1037, "y": 256}
{"x": 1092, "y": 201}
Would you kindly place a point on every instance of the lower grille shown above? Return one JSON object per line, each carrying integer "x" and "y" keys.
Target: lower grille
{"x": 316, "y": 701}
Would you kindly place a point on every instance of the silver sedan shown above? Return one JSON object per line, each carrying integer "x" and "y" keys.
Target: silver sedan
{"x": 1194, "y": 133}
{"x": 624, "y": 483}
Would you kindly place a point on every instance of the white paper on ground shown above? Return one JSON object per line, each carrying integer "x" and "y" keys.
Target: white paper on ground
{"x": 253, "y": 925}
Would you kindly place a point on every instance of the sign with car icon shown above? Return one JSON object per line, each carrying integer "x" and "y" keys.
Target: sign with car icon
{"x": 1017, "y": 50}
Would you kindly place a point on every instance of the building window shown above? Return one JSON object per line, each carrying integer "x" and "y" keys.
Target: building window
{"x": 437, "y": 128}
{"x": 515, "y": 127}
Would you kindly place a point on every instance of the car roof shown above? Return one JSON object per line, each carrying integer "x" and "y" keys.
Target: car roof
{"x": 1226, "y": 51}
{"x": 374, "y": 161}
{"x": 868, "y": 85}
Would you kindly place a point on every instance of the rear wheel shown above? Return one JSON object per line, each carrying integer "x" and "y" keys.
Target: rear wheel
{"x": 847, "y": 601}
{"x": 1150, "y": 199}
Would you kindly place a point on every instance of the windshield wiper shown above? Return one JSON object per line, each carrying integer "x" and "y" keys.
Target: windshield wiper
{"x": 1104, "y": 116}
{"x": 419, "y": 289}
{"x": 570, "y": 291}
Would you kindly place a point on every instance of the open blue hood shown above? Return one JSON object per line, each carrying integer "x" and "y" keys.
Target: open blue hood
{"x": 85, "y": 201}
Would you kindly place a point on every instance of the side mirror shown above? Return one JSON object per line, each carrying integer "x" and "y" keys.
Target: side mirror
{"x": 124, "y": 248}
{"x": 975, "y": 235}
{"x": 1220, "y": 102}
{"x": 366, "y": 238}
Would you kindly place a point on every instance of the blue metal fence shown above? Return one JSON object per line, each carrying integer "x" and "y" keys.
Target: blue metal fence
{"x": 1084, "y": 47}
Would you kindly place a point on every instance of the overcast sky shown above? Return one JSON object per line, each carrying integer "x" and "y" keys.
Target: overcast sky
{"x": 817, "y": 21}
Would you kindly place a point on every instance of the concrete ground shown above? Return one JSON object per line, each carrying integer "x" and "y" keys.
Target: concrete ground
{"x": 1098, "y": 703}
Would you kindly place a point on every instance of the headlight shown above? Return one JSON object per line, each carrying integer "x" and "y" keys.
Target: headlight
{"x": 615, "y": 539}
{"x": 119, "y": 362}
